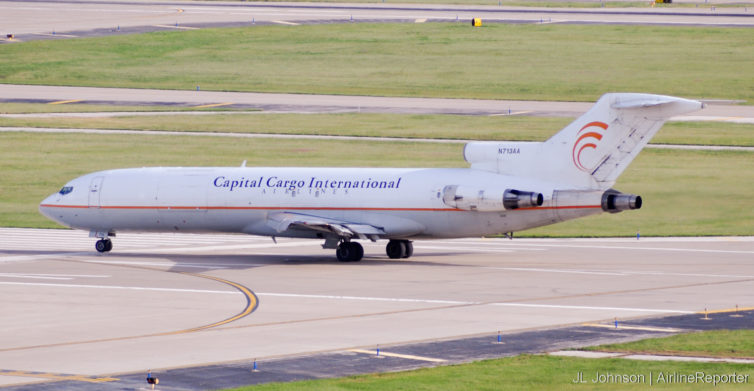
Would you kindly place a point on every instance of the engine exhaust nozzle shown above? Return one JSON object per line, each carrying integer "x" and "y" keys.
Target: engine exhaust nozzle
{"x": 614, "y": 201}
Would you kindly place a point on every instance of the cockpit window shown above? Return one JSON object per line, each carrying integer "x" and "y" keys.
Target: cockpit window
{"x": 65, "y": 190}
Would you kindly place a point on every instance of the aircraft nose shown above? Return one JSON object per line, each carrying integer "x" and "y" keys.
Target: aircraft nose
{"x": 45, "y": 207}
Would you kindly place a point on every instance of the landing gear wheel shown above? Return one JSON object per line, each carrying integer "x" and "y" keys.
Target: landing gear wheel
{"x": 358, "y": 252}
{"x": 396, "y": 249}
{"x": 409, "y": 249}
{"x": 349, "y": 252}
{"x": 103, "y": 245}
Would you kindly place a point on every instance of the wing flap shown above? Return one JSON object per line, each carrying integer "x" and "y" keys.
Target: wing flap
{"x": 285, "y": 221}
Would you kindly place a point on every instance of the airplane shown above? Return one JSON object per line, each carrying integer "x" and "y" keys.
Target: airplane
{"x": 509, "y": 187}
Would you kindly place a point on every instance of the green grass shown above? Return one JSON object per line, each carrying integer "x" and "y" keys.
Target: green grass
{"x": 525, "y": 372}
{"x": 497, "y": 61}
{"x": 685, "y": 192}
{"x": 542, "y": 372}
{"x": 389, "y": 125}
{"x": 718, "y": 343}
{"x": 688, "y": 193}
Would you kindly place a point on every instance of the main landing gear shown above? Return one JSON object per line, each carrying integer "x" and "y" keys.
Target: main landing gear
{"x": 353, "y": 252}
{"x": 349, "y": 252}
{"x": 396, "y": 249}
{"x": 103, "y": 245}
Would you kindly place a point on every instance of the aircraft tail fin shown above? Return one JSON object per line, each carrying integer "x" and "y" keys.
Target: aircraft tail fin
{"x": 600, "y": 144}
{"x": 593, "y": 150}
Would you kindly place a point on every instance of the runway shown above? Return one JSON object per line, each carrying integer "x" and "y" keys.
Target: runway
{"x": 81, "y": 18}
{"x": 168, "y": 301}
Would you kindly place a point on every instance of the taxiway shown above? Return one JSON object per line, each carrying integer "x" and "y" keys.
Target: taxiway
{"x": 171, "y": 300}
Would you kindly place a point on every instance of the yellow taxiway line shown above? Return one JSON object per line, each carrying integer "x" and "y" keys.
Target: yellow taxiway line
{"x": 251, "y": 304}
{"x": 726, "y": 310}
{"x": 62, "y": 102}
{"x": 57, "y": 376}
{"x": 213, "y": 105}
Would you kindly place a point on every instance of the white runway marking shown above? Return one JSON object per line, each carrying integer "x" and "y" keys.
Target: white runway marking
{"x": 408, "y": 356}
{"x": 581, "y": 307}
{"x": 465, "y": 249}
{"x": 133, "y": 288}
{"x": 362, "y": 298}
{"x": 50, "y": 276}
{"x": 455, "y": 302}
{"x": 219, "y": 247}
{"x": 156, "y": 264}
{"x": 26, "y": 258}
{"x": 525, "y": 269}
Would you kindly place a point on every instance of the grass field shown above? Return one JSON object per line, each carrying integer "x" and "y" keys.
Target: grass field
{"x": 526, "y": 372}
{"x": 498, "y": 61}
{"x": 381, "y": 125}
{"x": 719, "y": 343}
{"x": 673, "y": 183}
{"x": 541, "y": 372}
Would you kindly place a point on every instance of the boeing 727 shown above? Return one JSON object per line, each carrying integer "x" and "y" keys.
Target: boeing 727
{"x": 509, "y": 187}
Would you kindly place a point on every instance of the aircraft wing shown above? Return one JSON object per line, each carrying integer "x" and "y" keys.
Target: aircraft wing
{"x": 285, "y": 221}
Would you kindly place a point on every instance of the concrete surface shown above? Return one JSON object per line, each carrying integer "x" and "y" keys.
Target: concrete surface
{"x": 139, "y": 307}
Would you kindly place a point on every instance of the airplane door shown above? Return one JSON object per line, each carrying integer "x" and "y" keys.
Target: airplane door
{"x": 95, "y": 190}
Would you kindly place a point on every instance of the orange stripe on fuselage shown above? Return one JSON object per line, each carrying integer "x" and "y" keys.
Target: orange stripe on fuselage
{"x": 126, "y": 207}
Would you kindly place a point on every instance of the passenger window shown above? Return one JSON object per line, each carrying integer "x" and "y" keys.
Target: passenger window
{"x": 65, "y": 190}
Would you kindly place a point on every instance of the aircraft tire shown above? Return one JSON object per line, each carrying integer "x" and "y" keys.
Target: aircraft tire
{"x": 103, "y": 245}
{"x": 349, "y": 252}
{"x": 396, "y": 249}
{"x": 343, "y": 252}
{"x": 409, "y": 249}
{"x": 358, "y": 252}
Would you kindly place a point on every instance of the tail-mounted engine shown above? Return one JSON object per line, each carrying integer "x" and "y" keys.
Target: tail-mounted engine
{"x": 614, "y": 201}
{"x": 465, "y": 198}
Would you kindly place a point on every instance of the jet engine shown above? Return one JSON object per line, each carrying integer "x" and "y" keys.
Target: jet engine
{"x": 481, "y": 200}
{"x": 614, "y": 201}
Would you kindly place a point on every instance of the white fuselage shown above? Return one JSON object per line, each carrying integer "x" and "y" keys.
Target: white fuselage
{"x": 403, "y": 202}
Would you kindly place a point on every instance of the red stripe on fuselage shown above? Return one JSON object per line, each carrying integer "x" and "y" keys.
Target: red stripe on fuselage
{"x": 303, "y": 208}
